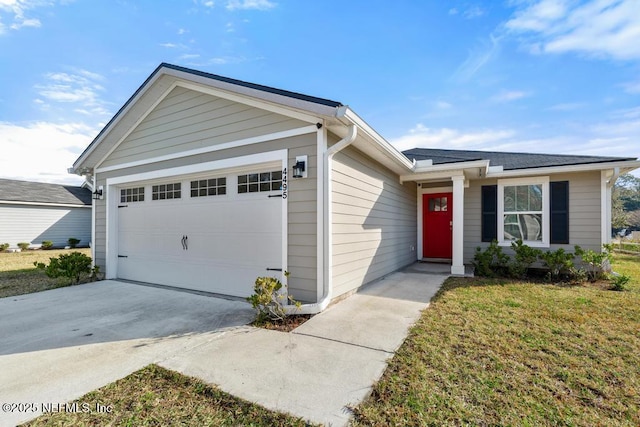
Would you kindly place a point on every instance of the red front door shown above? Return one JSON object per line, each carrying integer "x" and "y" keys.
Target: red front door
{"x": 437, "y": 225}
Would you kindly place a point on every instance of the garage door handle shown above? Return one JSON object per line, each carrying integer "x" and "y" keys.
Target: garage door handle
{"x": 122, "y": 256}
{"x": 274, "y": 269}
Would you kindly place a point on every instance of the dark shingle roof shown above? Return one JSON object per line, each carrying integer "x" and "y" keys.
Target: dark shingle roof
{"x": 509, "y": 161}
{"x": 38, "y": 192}
{"x": 295, "y": 95}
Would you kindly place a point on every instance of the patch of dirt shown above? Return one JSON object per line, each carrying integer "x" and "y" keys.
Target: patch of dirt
{"x": 288, "y": 324}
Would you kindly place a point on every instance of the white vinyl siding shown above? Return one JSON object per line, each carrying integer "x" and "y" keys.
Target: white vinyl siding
{"x": 34, "y": 224}
{"x": 374, "y": 221}
{"x": 187, "y": 120}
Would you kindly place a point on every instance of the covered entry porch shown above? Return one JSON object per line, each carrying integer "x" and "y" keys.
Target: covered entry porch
{"x": 440, "y": 213}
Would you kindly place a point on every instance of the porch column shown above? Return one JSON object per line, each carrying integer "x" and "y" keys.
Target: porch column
{"x": 457, "y": 263}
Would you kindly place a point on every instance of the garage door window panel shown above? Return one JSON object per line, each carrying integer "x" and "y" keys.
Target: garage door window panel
{"x": 132, "y": 195}
{"x": 166, "y": 191}
{"x": 209, "y": 187}
{"x": 260, "y": 182}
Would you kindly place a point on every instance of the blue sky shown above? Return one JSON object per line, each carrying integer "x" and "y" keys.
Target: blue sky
{"x": 555, "y": 76}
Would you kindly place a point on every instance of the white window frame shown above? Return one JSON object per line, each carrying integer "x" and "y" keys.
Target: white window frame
{"x": 538, "y": 180}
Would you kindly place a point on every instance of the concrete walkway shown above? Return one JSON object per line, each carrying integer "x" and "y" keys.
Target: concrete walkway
{"x": 58, "y": 345}
{"x": 326, "y": 365}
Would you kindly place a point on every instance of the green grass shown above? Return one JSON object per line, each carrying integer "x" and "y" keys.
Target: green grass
{"x": 491, "y": 352}
{"x": 18, "y": 275}
{"x": 154, "y": 396}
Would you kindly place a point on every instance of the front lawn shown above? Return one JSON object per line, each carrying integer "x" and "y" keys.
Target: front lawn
{"x": 18, "y": 275}
{"x": 498, "y": 352}
{"x": 155, "y": 396}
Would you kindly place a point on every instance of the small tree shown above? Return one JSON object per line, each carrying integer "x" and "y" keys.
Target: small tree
{"x": 24, "y": 246}
{"x": 73, "y": 242}
{"x": 4, "y": 247}
{"x": 47, "y": 244}
{"x": 597, "y": 262}
{"x": 72, "y": 266}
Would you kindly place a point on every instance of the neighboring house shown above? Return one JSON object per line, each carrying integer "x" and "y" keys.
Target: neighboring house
{"x": 33, "y": 212}
{"x": 200, "y": 190}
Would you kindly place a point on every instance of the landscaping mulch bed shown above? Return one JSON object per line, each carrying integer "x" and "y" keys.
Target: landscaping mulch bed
{"x": 288, "y": 324}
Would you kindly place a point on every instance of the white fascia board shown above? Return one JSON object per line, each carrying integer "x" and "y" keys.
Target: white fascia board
{"x": 446, "y": 170}
{"x": 298, "y": 109}
{"x": 251, "y": 101}
{"x": 624, "y": 166}
{"x": 297, "y": 104}
{"x": 44, "y": 204}
{"x": 383, "y": 146}
{"x": 115, "y": 120}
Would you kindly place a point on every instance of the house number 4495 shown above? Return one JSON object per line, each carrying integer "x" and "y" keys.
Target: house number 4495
{"x": 284, "y": 183}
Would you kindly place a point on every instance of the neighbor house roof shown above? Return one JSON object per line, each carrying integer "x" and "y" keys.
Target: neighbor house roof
{"x": 508, "y": 161}
{"x": 42, "y": 193}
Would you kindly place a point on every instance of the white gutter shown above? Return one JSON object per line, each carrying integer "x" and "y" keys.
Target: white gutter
{"x": 327, "y": 285}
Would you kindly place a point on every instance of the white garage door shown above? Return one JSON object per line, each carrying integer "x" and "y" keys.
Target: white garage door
{"x": 213, "y": 233}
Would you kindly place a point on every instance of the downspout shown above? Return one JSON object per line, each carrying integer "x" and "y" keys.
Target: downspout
{"x": 327, "y": 286}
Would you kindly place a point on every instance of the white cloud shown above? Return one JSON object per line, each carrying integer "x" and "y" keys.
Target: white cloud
{"x": 598, "y": 28}
{"x": 443, "y": 105}
{"x": 473, "y": 12}
{"x": 453, "y": 11}
{"x": 15, "y": 11}
{"x": 250, "y": 4}
{"x": 477, "y": 59}
{"x": 508, "y": 96}
{"x": 632, "y": 87}
{"x": 81, "y": 88}
{"x": 42, "y": 151}
{"x": 424, "y": 137}
{"x": 568, "y": 106}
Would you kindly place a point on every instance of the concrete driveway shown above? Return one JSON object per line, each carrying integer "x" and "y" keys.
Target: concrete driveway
{"x": 57, "y": 345}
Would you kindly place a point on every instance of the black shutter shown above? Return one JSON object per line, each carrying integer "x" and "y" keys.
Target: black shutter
{"x": 489, "y": 213}
{"x": 559, "y": 211}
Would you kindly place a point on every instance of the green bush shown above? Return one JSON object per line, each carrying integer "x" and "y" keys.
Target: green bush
{"x": 73, "y": 242}
{"x": 47, "y": 244}
{"x": 619, "y": 282}
{"x": 24, "y": 246}
{"x": 524, "y": 257}
{"x": 559, "y": 263}
{"x": 72, "y": 266}
{"x": 4, "y": 247}
{"x": 597, "y": 262}
{"x": 491, "y": 262}
{"x": 268, "y": 300}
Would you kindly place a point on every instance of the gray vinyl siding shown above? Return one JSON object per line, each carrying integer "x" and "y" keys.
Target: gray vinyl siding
{"x": 374, "y": 221}
{"x": 187, "y": 120}
{"x": 301, "y": 207}
{"x": 34, "y": 224}
{"x": 584, "y": 212}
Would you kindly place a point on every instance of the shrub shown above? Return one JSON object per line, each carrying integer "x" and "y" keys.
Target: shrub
{"x": 268, "y": 300}
{"x": 4, "y": 247}
{"x": 72, "y": 266}
{"x": 47, "y": 244}
{"x": 597, "y": 262}
{"x": 73, "y": 242}
{"x": 524, "y": 257}
{"x": 24, "y": 246}
{"x": 619, "y": 282}
{"x": 559, "y": 263}
{"x": 491, "y": 262}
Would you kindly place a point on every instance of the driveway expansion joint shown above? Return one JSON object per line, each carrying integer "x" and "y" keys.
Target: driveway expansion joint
{"x": 390, "y": 353}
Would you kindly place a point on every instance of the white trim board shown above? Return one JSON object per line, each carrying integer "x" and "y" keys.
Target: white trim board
{"x": 213, "y": 148}
{"x": 44, "y": 205}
